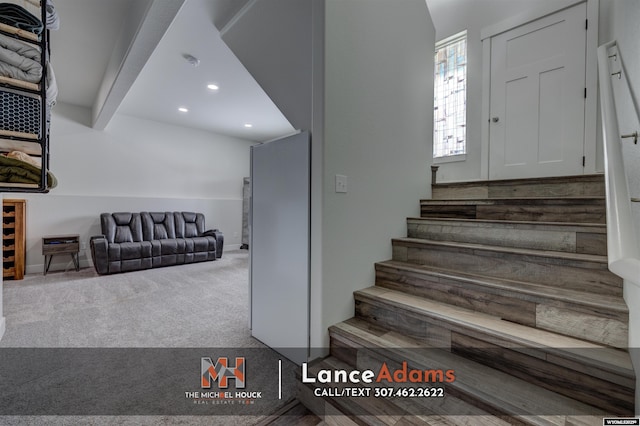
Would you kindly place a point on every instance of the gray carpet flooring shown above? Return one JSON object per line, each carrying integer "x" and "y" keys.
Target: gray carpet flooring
{"x": 195, "y": 305}
{"x": 203, "y": 305}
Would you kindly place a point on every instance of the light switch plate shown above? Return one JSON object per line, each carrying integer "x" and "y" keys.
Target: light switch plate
{"x": 341, "y": 184}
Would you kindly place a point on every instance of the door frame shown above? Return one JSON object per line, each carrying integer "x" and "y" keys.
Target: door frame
{"x": 591, "y": 77}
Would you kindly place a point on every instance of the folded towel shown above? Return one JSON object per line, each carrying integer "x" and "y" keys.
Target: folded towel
{"x": 19, "y": 155}
{"x": 52, "y": 86}
{"x": 20, "y": 60}
{"x": 19, "y": 17}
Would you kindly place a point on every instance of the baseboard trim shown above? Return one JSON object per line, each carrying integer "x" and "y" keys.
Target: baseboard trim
{"x": 57, "y": 267}
{"x": 87, "y": 263}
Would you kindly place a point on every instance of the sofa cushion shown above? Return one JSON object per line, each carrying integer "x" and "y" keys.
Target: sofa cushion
{"x": 200, "y": 244}
{"x": 158, "y": 226}
{"x": 168, "y": 260}
{"x": 130, "y": 250}
{"x": 189, "y": 224}
{"x": 129, "y": 265}
{"x": 198, "y": 257}
{"x": 168, "y": 247}
{"x": 121, "y": 227}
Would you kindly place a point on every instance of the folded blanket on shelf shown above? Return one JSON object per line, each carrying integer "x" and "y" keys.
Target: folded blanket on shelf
{"x": 52, "y": 86}
{"x": 20, "y": 60}
{"x": 13, "y": 170}
{"x": 53, "y": 21}
{"x": 19, "y": 17}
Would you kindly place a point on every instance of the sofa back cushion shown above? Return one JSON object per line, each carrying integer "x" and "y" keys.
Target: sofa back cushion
{"x": 189, "y": 224}
{"x": 121, "y": 227}
{"x": 158, "y": 226}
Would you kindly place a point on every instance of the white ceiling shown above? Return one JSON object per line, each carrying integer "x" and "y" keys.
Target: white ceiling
{"x": 81, "y": 48}
{"x": 89, "y": 30}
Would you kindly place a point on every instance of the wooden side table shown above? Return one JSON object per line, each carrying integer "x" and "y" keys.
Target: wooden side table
{"x": 60, "y": 244}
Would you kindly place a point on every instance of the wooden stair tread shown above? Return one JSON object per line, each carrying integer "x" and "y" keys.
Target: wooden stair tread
{"x": 593, "y": 177}
{"x": 565, "y": 209}
{"x": 512, "y": 395}
{"x": 580, "y": 257}
{"x": 613, "y": 303}
{"x": 565, "y": 236}
{"x": 592, "y": 227}
{"x": 542, "y": 200}
{"x": 520, "y": 336}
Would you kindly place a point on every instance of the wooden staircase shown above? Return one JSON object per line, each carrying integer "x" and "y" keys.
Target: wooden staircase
{"x": 507, "y": 284}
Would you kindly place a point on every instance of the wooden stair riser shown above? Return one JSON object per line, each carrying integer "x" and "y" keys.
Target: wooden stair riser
{"x": 536, "y": 210}
{"x": 585, "y": 321}
{"x": 477, "y": 385}
{"x": 591, "y": 390}
{"x": 581, "y": 275}
{"x": 432, "y": 324}
{"x": 604, "y": 389}
{"x": 565, "y": 238}
{"x": 554, "y": 187}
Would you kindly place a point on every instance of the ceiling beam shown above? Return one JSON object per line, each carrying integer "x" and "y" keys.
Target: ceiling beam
{"x": 141, "y": 32}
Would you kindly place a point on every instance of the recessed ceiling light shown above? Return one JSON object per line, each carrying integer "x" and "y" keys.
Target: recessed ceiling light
{"x": 213, "y": 87}
{"x": 183, "y": 109}
{"x": 248, "y": 126}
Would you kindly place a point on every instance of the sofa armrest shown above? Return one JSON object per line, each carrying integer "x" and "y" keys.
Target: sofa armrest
{"x": 100, "y": 254}
{"x": 219, "y": 236}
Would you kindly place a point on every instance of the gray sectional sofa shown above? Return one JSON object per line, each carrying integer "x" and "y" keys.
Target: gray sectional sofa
{"x": 135, "y": 241}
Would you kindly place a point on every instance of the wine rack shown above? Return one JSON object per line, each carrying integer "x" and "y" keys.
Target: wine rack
{"x": 13, "y": 239}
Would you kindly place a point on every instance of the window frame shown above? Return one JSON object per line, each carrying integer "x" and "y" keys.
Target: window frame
{"x": 444, "y": 43}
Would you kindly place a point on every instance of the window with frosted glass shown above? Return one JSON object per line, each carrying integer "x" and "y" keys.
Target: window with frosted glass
{"x": 450, "y": 97}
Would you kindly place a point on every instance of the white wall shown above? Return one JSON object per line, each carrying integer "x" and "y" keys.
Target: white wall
{"x": 378, "y": 104}
{"x": 453, "y": 16}
{"x": 623, "y": 17}
{"x": 133, "y": 165}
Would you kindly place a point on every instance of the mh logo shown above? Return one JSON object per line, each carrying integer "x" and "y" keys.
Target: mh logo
{"x": 221, "y": 372}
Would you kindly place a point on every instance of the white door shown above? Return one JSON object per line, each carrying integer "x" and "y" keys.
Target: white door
{"x": 538, "y": 97}
{"x": 279, "y": 246}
